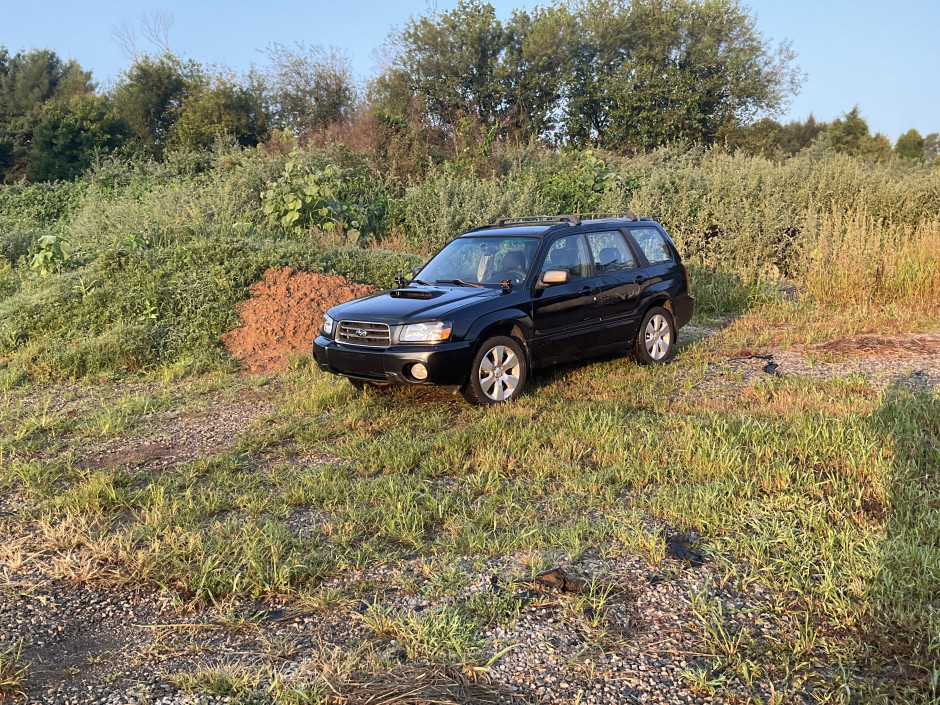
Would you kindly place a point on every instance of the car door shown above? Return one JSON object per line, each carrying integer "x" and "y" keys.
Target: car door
{"x": 619, "y": 281}
{"x": 565, "y": 316}
{"x": 661, "y": 266}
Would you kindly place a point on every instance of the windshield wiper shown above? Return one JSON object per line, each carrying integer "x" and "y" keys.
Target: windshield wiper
{"x": 461, "y": 282}
{"x": 419, "y": 281}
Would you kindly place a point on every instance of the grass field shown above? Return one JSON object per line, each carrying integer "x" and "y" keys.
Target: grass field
{"x": 818, "y": 495}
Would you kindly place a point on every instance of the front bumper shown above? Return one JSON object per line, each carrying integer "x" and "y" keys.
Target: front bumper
{"x": 448, "y": 364}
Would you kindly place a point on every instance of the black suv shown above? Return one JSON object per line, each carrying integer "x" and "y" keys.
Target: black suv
{"x": 519, "y": 294}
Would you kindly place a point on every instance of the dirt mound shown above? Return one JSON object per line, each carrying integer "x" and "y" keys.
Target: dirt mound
{"x": 879, "y": 346}
{"x": 284, "y": 315}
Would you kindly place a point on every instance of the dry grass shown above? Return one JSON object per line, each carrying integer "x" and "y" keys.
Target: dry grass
{"x": 804, "y": 323}
{"x": 424, "y": 686}
{"x": 857, "y": 260}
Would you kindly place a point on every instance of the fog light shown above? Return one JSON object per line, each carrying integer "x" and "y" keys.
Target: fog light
{"x": 419, "y": 372}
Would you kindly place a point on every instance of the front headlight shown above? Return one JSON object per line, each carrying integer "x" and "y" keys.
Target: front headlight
{"x": 327, "y": 324}
{"x": 433, "y": 332}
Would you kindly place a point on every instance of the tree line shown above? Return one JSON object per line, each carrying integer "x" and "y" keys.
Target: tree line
{"x": 623, "y": 75}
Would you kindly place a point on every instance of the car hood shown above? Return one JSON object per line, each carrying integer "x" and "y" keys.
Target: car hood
{"x": 411, "y": 304}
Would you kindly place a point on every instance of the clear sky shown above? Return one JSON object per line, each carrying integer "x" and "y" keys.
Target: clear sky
{"x": 883, "y": 56}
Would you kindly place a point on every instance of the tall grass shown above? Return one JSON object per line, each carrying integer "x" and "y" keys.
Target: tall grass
{"x": 857, "y": 259}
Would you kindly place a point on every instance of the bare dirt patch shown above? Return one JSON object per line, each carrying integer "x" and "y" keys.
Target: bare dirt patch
{"x": 171, "y": 438}
{"x": 877, "y": 346}
{"x": 284, "y": 314}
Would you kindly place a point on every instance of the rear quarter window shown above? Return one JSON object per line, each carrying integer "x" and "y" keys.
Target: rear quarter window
{"x": 653, "y": 244}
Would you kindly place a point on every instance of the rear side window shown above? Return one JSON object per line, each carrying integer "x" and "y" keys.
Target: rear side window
{"x": 611, "y": 253}
{"x": 653, "y": 244}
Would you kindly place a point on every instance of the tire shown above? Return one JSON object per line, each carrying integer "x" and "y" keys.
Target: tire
{"x": 498, "y": 372}
{"x": 656, "y": 338}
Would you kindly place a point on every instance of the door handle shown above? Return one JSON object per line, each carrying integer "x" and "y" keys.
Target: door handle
{"x": 639, "y": 279}
{"x": 589, "y": 290}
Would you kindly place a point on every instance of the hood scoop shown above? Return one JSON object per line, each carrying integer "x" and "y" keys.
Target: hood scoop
{"x": 409, "y": 293}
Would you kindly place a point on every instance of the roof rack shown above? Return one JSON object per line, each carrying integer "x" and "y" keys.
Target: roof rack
{"x": 629, "y": 215}
{"x": 573, "y": 219}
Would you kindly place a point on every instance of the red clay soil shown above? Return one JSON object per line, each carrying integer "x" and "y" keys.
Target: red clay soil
{"x": 284, "y": 315}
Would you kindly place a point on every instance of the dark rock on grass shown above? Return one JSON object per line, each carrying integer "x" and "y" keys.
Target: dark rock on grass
{"x": 681, "y": 546}
{"x": 561, "y": 580}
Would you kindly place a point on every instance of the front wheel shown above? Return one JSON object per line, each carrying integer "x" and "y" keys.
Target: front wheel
{"x": 656, "y": 340}
{"x": 498, "y": 373}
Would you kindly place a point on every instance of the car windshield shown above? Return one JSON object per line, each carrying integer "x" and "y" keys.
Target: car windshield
{"x": 482, "y": 261}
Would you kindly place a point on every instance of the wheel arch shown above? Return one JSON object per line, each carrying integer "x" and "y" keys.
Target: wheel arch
{"x": 514, "y": 324}
{"x": 661, "y": 301}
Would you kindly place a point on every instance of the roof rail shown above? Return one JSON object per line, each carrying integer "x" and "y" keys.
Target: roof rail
{"x": 573, "y": 219}
{"x": 629, "y": 215}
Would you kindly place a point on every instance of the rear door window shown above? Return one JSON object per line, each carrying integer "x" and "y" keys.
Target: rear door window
{"x": 653, "y": 244}
{"x": 569, "y": 253}
{"x": 610, "y": 252}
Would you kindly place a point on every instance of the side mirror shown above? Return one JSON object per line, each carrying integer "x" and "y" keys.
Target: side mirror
{"x": 414, "y": 272}
{"x": 553, "y": 277}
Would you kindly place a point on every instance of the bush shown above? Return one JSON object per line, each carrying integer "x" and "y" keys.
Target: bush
{"x": 16, "y": 240}
{"x": 42, "y": 203}
{"x": 377, "y": 267}
{"x": 446, "y": 205}
{"x": 305, "y": 196}
{"x": 747, "y": 214}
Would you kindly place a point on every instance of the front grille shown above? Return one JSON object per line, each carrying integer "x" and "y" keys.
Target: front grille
{"x": 364, "y": 333}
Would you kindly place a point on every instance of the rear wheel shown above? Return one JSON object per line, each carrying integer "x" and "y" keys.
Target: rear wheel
{"x": 656, "y": 340}
{"x": 498, "y": 372}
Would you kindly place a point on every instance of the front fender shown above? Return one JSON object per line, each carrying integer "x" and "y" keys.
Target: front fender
{"x": 507, "y": 317}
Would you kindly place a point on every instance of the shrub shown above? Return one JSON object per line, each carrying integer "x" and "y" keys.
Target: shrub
{"x": 41, "y": 203}
{"x": 305, "y": 196}
{"x": 445, "y": 205}
{"x": 16, "y": 240}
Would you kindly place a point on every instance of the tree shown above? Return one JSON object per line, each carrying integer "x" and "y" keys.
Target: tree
{"x": 28, "y": 80}
{"x": 759, "y": 138}
{"x": 910, "y": 145}
{"x": 625, "y": 74}
{"x": 796, "y": 136}
{"x": 850, "y": 133}
{"x": 932, "y": 147}
{"x": 150, "y": 95}
{"x": 684, "y": 70}
{"x": 70, "y": 135}
{"x": 451, "y": 63}
{"x": 219, "y": 105}
{"x": 533, "y": 70}
{"x": 308, "y": 88}
{"x": 769, "y": 138}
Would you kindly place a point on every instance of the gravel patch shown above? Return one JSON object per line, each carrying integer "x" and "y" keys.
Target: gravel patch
{"x": 173, "y": 437}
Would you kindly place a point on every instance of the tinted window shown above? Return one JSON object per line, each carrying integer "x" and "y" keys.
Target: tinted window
{"x": 569, "y": 253}
{"x": 487, "y": 260}
{"x": 611, "y": 253}
{"x": 653, "y": 244}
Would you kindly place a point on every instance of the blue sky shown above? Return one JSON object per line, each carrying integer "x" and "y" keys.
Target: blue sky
{"x": 885, "y": 57}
